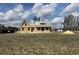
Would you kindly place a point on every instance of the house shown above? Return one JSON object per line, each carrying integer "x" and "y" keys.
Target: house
{"x": 32, "y": 28}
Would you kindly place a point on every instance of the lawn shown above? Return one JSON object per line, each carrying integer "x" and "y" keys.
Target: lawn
{"x": 39, "y": 44}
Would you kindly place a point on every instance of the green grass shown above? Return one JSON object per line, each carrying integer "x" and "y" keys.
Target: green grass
{"x": 39, "y": 44}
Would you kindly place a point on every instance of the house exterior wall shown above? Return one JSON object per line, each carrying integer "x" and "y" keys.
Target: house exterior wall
{"x": 35, "y": 29}
{"x": 25, "y": 28}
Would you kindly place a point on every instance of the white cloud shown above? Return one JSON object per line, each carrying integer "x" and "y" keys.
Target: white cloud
{"x": 57, "y": 22}
{"x": 36, "y": 7}
{"x": 18, "y": 8}
{"x": 41, "y": 10}
{"x": 14, "y": 16}
{"x": 2, "y": 19}
{"x": 70, "y": 8}
{"x": 19, "y": 13}
{"x": 13, "y": 23}
{"x": 8, "y": 14}
{"x": 75, "y": 14}
{"x": 15, "y": 13}
{"x": 2, "y": 16}
{"x": 16, "y": 23}
{"x": 26, "y": 14}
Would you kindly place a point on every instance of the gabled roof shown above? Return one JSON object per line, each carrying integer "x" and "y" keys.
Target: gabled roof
{"x": 24, "y": 22}
{"x": 42, "y": 24}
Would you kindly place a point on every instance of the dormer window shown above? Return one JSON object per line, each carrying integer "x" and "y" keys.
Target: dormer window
{"x": 25, "y": 24}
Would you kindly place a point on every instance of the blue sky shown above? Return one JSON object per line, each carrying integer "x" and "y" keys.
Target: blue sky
{"x": 6, "y": 6}
{"x": 27, "y": 6}
{"x": 12, "y": 14}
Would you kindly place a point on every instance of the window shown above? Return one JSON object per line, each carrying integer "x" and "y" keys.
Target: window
{"x": 46, "y": 28}
{"x": 22, "y": 29}
{"x": 42, "y": 28}
{"x": 32, "y": 29}
{"x": 29, "y": 28}
{"x": 38, "y": 28}
{"x": 25, "y": 24}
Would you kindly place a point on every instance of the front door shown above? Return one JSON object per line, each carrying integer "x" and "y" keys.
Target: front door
{"x": 32, "y": 29}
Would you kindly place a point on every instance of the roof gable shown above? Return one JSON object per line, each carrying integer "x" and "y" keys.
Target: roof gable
{"x": 24, "y": 23}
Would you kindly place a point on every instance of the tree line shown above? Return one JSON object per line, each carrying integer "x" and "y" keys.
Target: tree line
{"x": 9, "y": 29}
